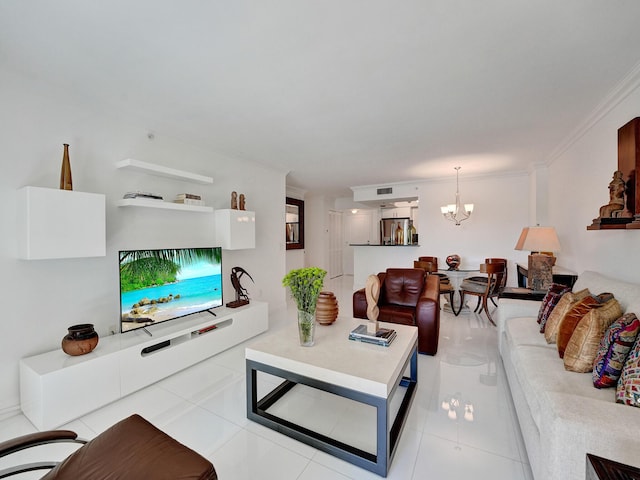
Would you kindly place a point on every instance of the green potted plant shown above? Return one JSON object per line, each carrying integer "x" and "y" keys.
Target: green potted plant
{"x": 305, "y": 285}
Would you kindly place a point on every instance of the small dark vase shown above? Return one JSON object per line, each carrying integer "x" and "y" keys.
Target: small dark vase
{"x": 81, "y": 339}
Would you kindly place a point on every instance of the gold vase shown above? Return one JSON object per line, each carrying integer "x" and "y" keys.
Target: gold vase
{"x": 65, "y": 172}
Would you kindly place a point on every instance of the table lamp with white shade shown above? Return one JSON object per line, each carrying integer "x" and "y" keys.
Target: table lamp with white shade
{"x": 542, "y": 242}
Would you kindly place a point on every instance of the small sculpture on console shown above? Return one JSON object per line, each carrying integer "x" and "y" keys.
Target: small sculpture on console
{"x": 234, "y": 200}
{"x": 242, "y": 201}
{"x": 242, "y": 295}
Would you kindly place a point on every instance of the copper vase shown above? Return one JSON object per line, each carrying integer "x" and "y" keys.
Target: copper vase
{"x": 326, "y": 308}
{"x": 65, "y": 172}
{"x": 81, "y": 339}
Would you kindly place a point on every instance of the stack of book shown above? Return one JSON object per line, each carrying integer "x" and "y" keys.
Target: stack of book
{"x": 189, "y": 199}
{"x": 145, "y": 195}
{"x": 384, "y": 336}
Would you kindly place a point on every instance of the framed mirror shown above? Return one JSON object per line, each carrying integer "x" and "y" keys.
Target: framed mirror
{"x": 294, "y": 223}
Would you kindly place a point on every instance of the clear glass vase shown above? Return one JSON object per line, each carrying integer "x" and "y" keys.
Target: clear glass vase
{"x": 306, "y": 328}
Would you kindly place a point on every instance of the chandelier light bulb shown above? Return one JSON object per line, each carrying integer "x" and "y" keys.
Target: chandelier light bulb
{"x": 457, "y": 212}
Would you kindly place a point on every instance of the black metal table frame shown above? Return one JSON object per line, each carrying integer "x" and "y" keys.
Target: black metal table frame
{"x": 386, "y": 438}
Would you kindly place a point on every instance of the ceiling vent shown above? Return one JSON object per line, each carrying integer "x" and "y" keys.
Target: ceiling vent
{"x": 385, "y": 191}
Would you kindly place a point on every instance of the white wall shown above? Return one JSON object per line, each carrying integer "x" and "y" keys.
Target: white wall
{"x": 501, "y": 206}
{"x": 578, "y": 186}
{"x": 40, "y": 299}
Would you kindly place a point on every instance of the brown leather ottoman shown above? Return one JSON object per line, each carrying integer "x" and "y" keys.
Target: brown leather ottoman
{"x": 133, "y": 449}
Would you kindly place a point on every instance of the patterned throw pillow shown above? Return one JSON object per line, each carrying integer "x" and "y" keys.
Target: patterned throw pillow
{"x": 549, "y": 302}
{"x": 564, "y": 305}
{"x": 583, "y": 344}
{"x": 571, "y": 319}
{"x": 628, "y": 389}
{"x": 614, "y": 349}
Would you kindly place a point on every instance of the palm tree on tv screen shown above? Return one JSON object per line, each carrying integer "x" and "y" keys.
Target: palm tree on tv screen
{"x": 139, "y": 268}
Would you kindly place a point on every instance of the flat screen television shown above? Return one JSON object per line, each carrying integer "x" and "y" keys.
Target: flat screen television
{"x": 161, "y": 285}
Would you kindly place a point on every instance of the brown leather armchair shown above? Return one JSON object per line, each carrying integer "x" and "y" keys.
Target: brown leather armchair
{"x": 131, "y": 449}
{"x": 410, "y": 297}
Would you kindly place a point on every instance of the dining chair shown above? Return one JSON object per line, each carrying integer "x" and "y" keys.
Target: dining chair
{"x": 431, "y": 268}
{"x": 487, "y": 288}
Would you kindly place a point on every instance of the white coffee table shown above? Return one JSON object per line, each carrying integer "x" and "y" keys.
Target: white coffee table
{"x": 369, "y": 374}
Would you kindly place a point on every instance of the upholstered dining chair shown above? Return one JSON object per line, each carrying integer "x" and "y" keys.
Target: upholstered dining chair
{"x": 488, "y": 288}
{"x": 431, "y": 268}
{"x": 129, "y": 450}
{"x": 484, "y": 279}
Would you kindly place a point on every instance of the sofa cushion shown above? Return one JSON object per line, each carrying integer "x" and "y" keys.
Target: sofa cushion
{"x": 564, "y": 305}
{"x": 627, "y": 294}
{"x": 570, "y": 321}
{"x": 540, "y": 371}
{"x": 583, "y": 344}
{"x": 524, "y": 331}
{"x": 614, "y": 349}
{"x": 628, "y": 389}
{"x": 550, "y": 300}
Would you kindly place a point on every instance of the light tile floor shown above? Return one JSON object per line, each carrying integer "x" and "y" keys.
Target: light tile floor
{"x": 204, "y": 408}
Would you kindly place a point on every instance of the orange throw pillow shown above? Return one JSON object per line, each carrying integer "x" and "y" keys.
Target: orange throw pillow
{"x": 565, "y": 303}
{"x": 583, "y": 346}
{"x": 571, "y": 319}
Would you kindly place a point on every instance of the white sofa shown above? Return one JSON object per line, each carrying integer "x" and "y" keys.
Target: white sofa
{"x": 561, "y": 414}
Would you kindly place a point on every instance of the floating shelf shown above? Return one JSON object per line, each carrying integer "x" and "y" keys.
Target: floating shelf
{"x": 144, "y": 167}
{"x": 160, "y": 204}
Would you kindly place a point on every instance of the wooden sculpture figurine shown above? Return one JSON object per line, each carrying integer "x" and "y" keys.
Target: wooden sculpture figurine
{"x": 242, "y": 201}
{"x": 234, "y": 201}
{"x": 372, "y": 293}
{"x": 616, "y": 197}
{"x": 242, "y": 296}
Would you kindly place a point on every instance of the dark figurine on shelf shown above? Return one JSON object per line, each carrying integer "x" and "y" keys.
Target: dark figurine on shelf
{"x": 242, "y": 295}
{"x": 615, "y": 212}
{"x": 242, "y": 201}
{"x": 615, "y": 207}
{"x": 234, "y": 201}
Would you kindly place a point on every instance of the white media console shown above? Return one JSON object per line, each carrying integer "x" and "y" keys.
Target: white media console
{"x": 56, "y": 388}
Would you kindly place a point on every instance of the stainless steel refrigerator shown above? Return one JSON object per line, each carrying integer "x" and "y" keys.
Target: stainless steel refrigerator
{"x": 389, "y": 233}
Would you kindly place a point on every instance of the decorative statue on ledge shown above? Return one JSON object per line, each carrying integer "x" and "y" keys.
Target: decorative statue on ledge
{"x": 614, "y": 212}
{"x": 242, "y": 296}
{"x": 242, "y": 201}
{"x": 234, "y": 200}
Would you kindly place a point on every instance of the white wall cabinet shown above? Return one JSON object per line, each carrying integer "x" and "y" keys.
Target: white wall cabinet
{"x": 56, "y": 388}
{"x": 56, "y": 223}
{"x": 235, "y": 229}
{"x": 397, "y": 212}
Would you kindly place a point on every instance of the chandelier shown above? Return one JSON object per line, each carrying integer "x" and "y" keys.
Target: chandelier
{"x": 456, "y": 212}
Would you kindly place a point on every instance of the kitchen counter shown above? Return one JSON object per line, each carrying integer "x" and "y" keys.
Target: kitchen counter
{"x": 378, "y": 245}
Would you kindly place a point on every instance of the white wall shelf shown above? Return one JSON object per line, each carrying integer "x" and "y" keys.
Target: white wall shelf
{"x": 146, "y": 203}
{"x": 235, "y": 229}
{"x": 56, "y": 223}
{"x": 150, "y": 168}
{"x": 56, "y": 388}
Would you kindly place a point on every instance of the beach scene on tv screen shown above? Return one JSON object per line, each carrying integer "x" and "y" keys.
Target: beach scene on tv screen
{"x": 160, "y": 285}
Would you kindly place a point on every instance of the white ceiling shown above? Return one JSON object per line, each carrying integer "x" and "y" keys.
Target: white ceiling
{"x": 339, "y": 92}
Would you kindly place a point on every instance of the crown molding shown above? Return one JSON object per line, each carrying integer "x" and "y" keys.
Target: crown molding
{"x": 629, "y": 83}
